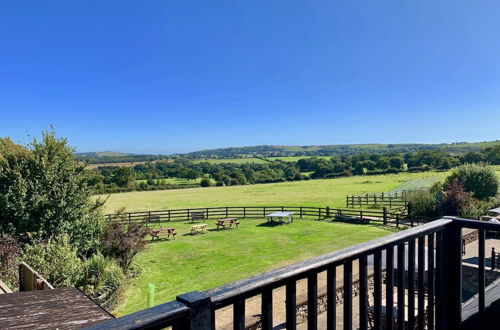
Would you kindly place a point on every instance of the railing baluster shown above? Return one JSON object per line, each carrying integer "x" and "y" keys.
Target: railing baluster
{"x": 411, "y": 284}
{"x": 267, "y": 309}
{"x": 363, "y": 293}
{"x": 377, "y": 289}
{"x": 312, "y": 301}
{"x": 348, "y": 295}
{"x": 481, "y": 273}
{"x": 420, "y": 285}
{"x": 291, "y": 318}
{"x": 389, "y": 286}
{"x": 331, "y": 311}
{"x": 430, "y": 281}
{"x": 401, "y": 286}
{"x": 239, "y": 315}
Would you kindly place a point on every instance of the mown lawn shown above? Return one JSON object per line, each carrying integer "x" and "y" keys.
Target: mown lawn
{"x": 328, "y": 192}
{"x": 208, "y": 260}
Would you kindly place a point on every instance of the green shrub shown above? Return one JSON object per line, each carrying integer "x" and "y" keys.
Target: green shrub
{"x": 9, "y": 258}
{"x": 205, "y": 182}
{"x": 424, "y": 203}
{"x": 479, "y": 180}
{"x": 102, "y": 277}
{"x": 56, "y": 260}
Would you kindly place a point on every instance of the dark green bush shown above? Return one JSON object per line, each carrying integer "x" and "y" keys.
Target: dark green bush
{"x": 10, "y": 252}
{"x": 479, "y": 180}
{"x": 424, "y": 203}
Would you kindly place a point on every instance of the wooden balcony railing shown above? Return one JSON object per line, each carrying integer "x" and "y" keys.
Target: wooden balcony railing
{"x": 422, "y": 268}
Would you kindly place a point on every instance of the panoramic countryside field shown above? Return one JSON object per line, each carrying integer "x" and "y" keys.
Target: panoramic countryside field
{"x": 325, "y": 192}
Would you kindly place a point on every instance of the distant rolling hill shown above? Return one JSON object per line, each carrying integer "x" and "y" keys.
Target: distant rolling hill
{"x": 331, "y": 150}
{"x": 101, "y": 154}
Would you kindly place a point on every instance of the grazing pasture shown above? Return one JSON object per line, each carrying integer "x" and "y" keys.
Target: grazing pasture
{"x": 179, "y": 181}
{"x": 208, "y": 260}
{"x": 326, "y": 192}
{"x": 294, "y": 158}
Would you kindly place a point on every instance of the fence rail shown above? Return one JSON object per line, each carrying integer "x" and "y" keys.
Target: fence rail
{"x": 375, "y": 199}
{"x": 386, "y": 216}
{"x": 427, "y": 257}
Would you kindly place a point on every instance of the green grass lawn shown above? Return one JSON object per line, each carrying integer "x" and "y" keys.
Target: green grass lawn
{"x": 209, "y": 260}
{"x": 328, "y": 192}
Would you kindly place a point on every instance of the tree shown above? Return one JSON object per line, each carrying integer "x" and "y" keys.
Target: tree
{"x": 205, "y": 182}
{"x": 44, "y": 190}
{"x": 123, "y": 176}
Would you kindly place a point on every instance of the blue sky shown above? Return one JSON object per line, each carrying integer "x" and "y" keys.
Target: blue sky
{"x": 172, "y": 76}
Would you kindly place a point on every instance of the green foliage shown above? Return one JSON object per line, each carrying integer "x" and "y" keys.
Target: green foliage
{"x": 101, "y": 279}
{"x": 10, "y": 251}
{"x": 474, "y": 209}
{"x": 424, "y": 203}
{"x": 55, "y": 259}
{"x": 45, "y": 191}
{"x": 205, "y": 182}
{"x": 123, "y": 242}
{"x": 479, "y": 180}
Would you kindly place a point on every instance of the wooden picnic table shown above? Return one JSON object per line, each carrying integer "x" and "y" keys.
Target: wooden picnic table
{"x": 196, "y": 229}
{"x": 221, "y": 223}
{"x": 156, "y": 233}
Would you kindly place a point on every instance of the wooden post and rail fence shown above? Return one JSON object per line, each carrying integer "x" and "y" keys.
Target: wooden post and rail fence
{"x": 386, "y": 216}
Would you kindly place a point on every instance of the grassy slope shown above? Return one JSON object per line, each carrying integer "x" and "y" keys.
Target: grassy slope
{"x": 330, "y": 192}
{"x": 205, "y": 261}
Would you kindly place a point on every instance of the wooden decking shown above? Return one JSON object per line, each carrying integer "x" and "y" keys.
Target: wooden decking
{"x": 49, "y": 309}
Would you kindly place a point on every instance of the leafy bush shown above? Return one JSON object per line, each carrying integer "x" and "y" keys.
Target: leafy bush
{"x": 44, "y": 190}
{"x": 424, "y": 203}
{"x": 205, "y": 182}
{"x": 455, "y": 198}
{"x": 101, "y": 279}
{"x": 123, "y": 242}
{"x": 56, "y": 260}
{"x": 479, "y": 180}
{"x": 9, "y": 258}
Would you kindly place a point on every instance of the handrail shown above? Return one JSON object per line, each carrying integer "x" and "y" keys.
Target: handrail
{"x": 157, "y": 317}
{"x": 275, "y": 277}
{"x": 433, "y": 257}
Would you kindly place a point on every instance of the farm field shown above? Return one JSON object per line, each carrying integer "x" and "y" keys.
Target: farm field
{"x": 208, "y": 260}
{"x": 326, "y": 192}
{"x": 231, "y": 161}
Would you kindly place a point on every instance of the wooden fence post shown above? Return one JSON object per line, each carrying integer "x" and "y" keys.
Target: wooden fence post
{"x": 397, "y": 220}
{"x": 319, "y": 213}
{"x": 385, "y": 216}
{"x": 169, "y": 219}
{"x": 328, "y": 211}
{"x": 188, "y": 214}
{"x": 226, "y": 212}
{"x": 244, "y": 212}
{"x": 301, "y": 212}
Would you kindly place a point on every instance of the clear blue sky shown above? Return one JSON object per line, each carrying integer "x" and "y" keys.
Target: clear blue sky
{"x": 171, "y": 76}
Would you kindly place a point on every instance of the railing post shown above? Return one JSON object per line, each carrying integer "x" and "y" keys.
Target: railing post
{"x": 201, "y": 311}
{"x": 492, "y": 258}
{"x": 451, "y": 274}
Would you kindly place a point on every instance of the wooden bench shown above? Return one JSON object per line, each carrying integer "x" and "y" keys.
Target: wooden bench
{"x": 156, "y": 233}
{"x": 195, "y": 216}
{"x": 196, "y": 229}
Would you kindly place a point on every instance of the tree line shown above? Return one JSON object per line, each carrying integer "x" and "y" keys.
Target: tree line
{"x": 153, "y": 175}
